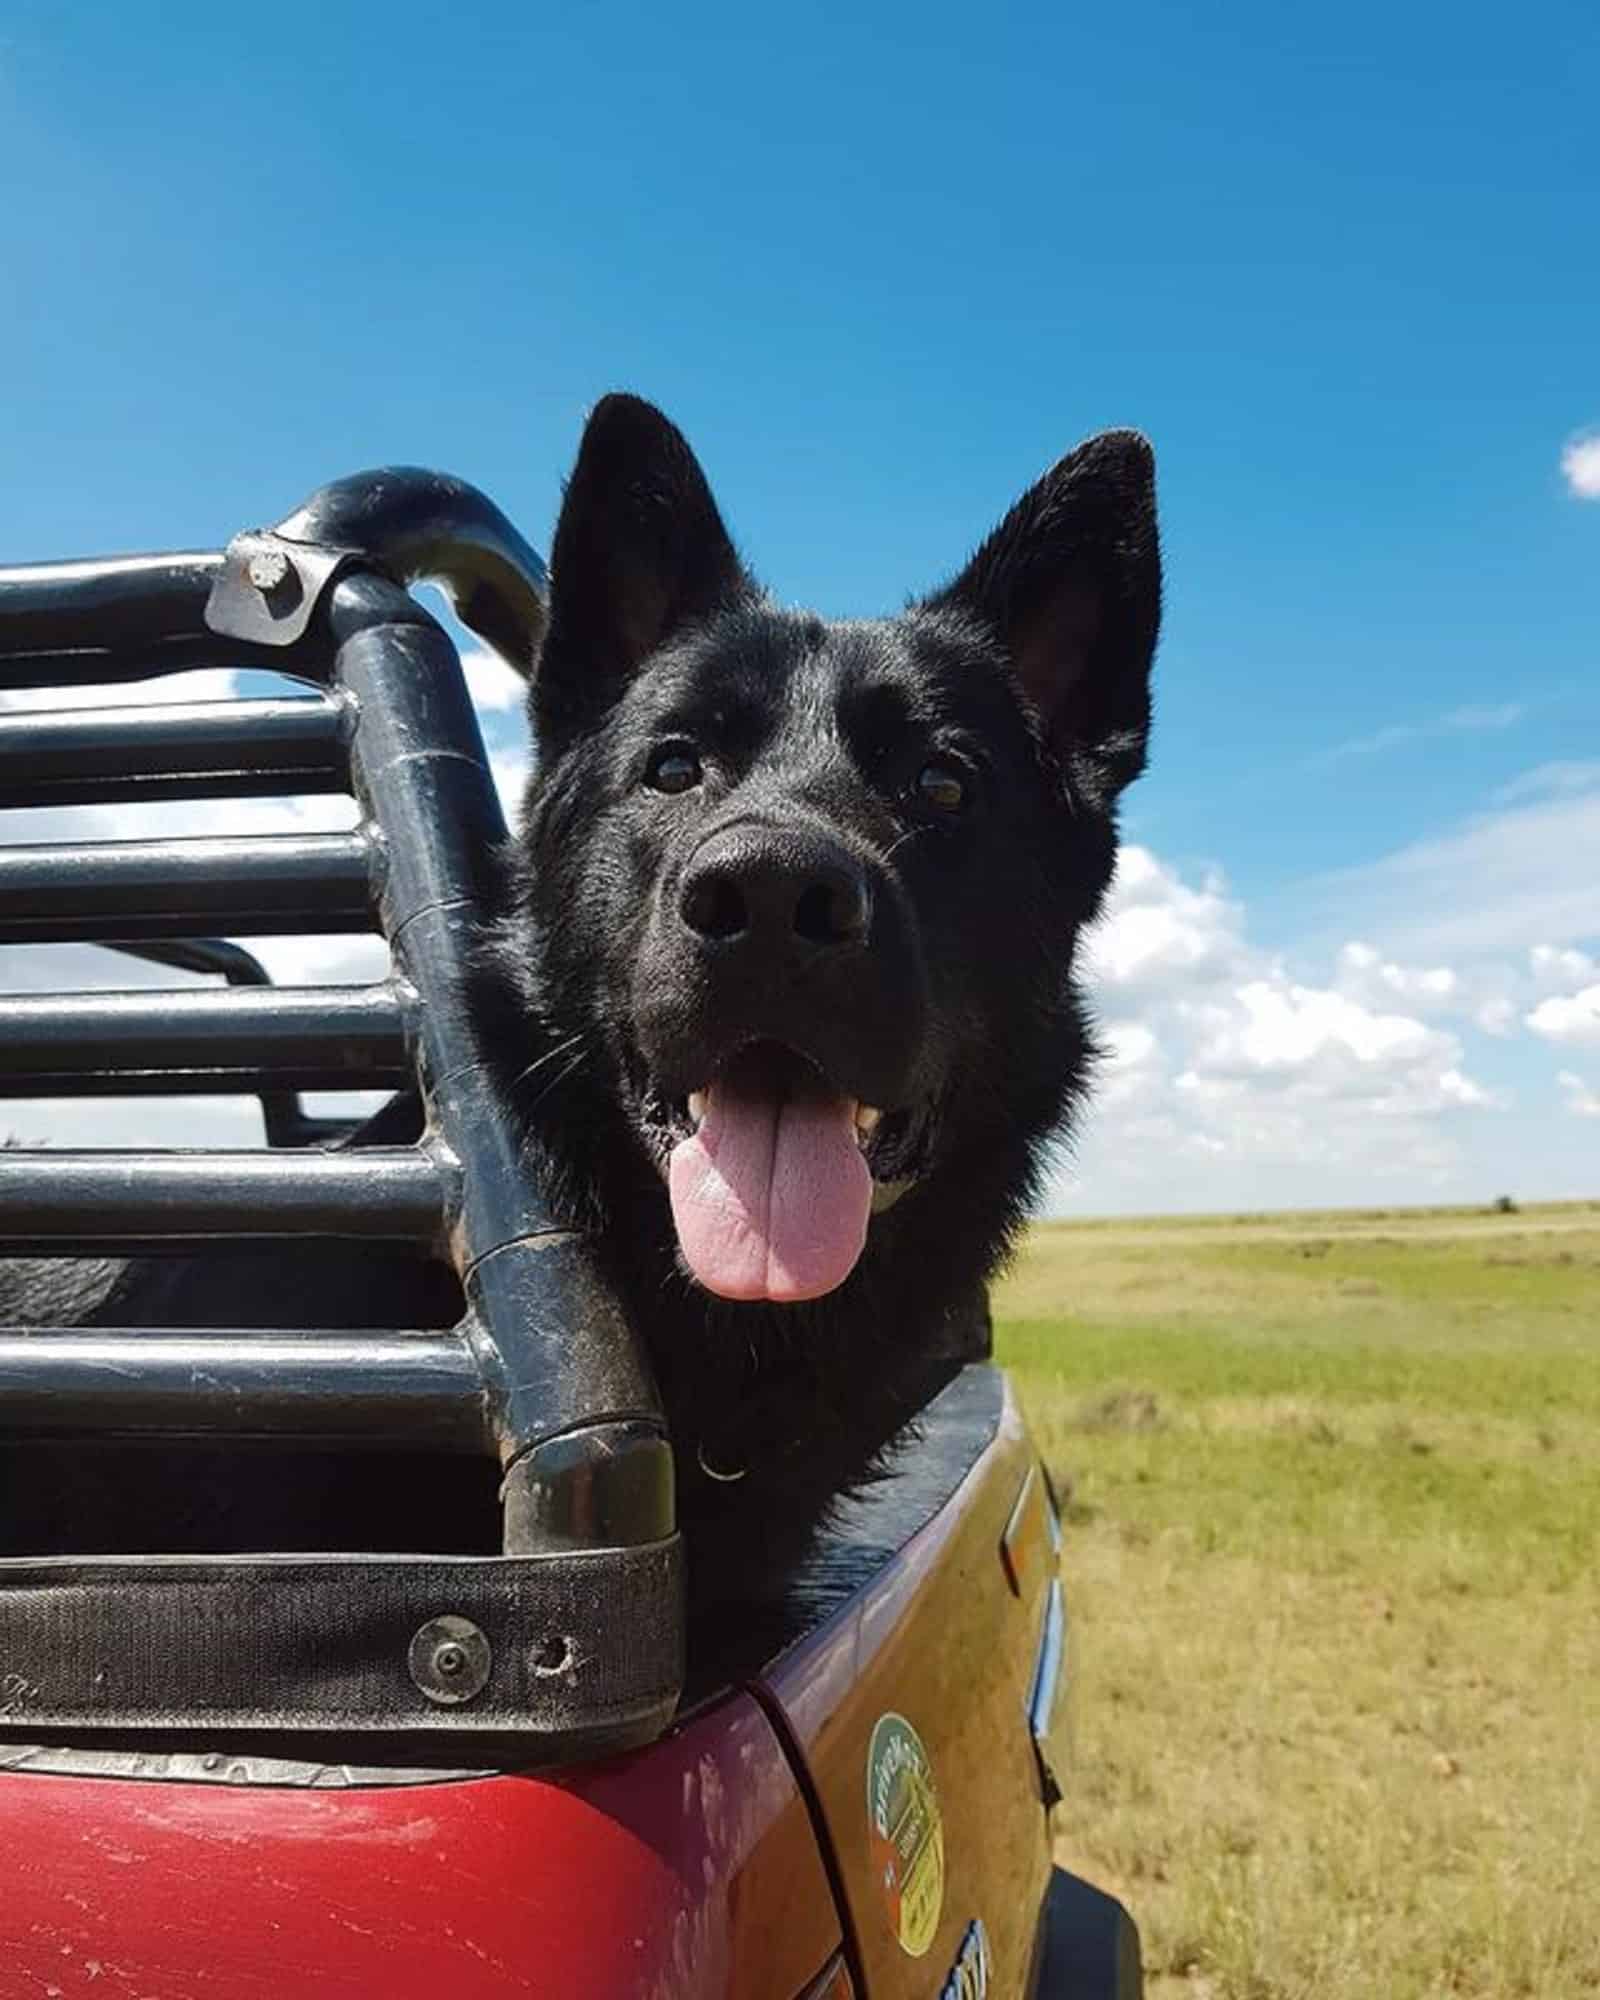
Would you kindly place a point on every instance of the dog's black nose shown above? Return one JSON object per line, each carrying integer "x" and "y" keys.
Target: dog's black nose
{"x": 771, "y": 888}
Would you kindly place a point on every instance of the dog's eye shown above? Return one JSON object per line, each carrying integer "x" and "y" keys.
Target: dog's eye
{"x": 942, "y": 787}
{"x": 673, "y": 768}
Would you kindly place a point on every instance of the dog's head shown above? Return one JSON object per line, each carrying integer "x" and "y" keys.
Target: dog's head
{"x": 807, "y": 893}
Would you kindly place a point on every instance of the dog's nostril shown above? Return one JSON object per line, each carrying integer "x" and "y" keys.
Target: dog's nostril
{"x": 833, "y": 912}
{"x": 713, "y": 907}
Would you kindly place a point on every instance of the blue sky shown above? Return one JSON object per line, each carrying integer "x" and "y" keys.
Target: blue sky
{"x": 1342, "y": 270}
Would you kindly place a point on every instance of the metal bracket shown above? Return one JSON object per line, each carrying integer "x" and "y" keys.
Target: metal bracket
{"x": 268, "y": 589}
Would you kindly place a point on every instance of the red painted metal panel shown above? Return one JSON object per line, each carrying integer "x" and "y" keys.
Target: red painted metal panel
{"x": 688, "y": 1869}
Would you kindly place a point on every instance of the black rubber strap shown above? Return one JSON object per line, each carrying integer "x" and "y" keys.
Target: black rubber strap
{"x": 562, "y": 1648}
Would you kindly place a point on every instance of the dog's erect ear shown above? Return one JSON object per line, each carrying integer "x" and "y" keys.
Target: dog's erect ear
{"x": 640, "y": 552}
{"x": 1070, "y": 584}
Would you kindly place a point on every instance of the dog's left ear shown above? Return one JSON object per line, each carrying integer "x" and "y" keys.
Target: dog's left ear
{"x": 1070, "y": 584}
{"x": 640, "y": 553}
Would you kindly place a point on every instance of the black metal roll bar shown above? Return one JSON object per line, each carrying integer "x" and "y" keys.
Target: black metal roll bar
{"x": 394, "y": 1388}
{"x": 177, "y": 1043}
{"x": 427, "y": 526}
{"x": 67, "y": 624}
{"x": 192, "y": 750}
{"x": 121, "y": 1203}
{"x": 543, "y": 1372}
{"x": 271, "y": 884}
{"x": 360, "y": 1030}
{"x": 128, "y": 617}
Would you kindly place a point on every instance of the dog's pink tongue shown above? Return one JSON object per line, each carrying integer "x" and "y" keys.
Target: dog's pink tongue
{"x": 771, "y": 1197}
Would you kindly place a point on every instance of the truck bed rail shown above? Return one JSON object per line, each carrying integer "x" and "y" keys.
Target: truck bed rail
{"x": 542, "y": 1375}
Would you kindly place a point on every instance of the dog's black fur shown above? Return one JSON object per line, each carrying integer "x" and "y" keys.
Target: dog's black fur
{"x": 864, "y": 850}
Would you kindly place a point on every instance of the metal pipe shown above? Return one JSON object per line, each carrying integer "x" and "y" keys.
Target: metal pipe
{"x": 558, "y": 1353}
{"x": 428, "y": 526}
{"x": 116, "y": 618}
{"x": 128, "y": 617}
{"x": 273, "y": 883}
{"x": 375, "y": 1388}
{"x": 244, "y": 1038}
{"x": 115, "y": 1204}
{"x": 209, "y": 749}
{"x": 214, "y": 956}
{"x": 285, "y": 1122}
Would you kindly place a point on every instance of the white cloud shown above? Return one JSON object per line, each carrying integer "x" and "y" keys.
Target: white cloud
{"x": 179, "y": 819}
{"x": 509, "y": 766}
{"x": 133, "y": 1121}
{"x": 1455, "y": 1088}
{"x": 1560, "y": 969}
{"x": 1581, "y": 1101}
{"x": 322, "y": 961}
{"x": 1275, "y": 1025}
{"x": 1131, "y": 1070}
{"x": 1473, "y": 717}
{"x": 1563, "y": 775}
{"x": 1365, "y": 974}
{"x": 1485, "y": 715}
{"x": 1233, "y": 1079}
{"x": 1361, "y": 1067}
{"x": 1496, "y": 1015}
{"x": 1571, "y": 1017}
{"x": 198, "y": 684}
{"x": 1580, "y": 466}
{"x": 1489, "y": 994}
{"x": 1128, "y": 1045}
{"x": 1156, "y": 928}
{"x": 1490, "y": 889}
{"x": 495, "y": 687}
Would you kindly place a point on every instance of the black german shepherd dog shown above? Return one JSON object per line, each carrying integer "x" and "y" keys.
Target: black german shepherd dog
{"x": 782, "y": 986}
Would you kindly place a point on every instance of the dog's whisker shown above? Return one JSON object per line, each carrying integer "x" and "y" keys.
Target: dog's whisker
{"x": 562, "y": 1076}
{"x": 896, "y": 844}
{"x": 549, "y": 1056}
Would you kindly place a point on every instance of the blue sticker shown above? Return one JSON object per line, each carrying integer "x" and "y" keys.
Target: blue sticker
{"x": 969, "y": 1976}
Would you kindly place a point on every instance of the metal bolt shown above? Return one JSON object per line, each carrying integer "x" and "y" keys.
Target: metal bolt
{"x": 268, "y": 570}
{"x": 449, "y": 1659}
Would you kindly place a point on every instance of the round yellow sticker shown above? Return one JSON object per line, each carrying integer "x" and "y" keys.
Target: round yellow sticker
{"x": 907, "y": 1832}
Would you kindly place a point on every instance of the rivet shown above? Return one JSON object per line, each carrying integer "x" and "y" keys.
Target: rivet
{"x": 450, "y": 1660}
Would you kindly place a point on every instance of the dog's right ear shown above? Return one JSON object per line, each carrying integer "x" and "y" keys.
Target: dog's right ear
{"x": 640, "y": 552}
{"x": 1070, "y": 585}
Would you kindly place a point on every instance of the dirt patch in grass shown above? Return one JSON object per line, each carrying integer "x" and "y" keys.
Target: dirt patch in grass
{"x": 1119, "y": 1410}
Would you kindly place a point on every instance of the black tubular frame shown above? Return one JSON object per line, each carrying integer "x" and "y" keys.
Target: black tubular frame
{"x": 359, "y": 1032}
{"x": 193, "y": 750}
{"x": 543, "y": 1373}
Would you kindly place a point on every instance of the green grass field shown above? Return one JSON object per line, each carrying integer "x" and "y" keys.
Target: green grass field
{"x": 1333, "y": 1561}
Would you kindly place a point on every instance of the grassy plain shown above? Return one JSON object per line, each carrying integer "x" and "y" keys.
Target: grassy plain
{"x": 1333, "y": 1562}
